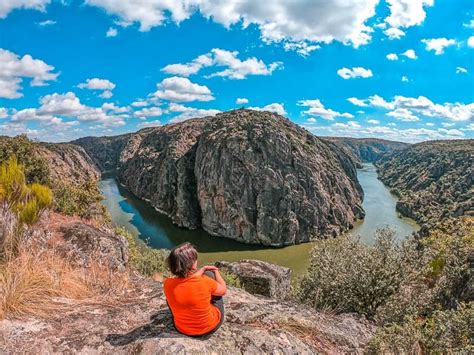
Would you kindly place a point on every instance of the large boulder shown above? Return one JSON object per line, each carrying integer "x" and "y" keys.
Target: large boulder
{"x": 260, "y": 278}
{"x": 85, "y": 243}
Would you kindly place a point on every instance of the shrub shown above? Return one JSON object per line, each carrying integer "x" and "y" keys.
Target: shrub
{"x": 444, "y": 331}
{"x": 35, "y": 167}
{"x": 230, "y": 278}
{"x": 21, "y": 206}
{"x": 146, "y": 260}
{"x": 78, "y": 200}
{"x": 348, "y": 276}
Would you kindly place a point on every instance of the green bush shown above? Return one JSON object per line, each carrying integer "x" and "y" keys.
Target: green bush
{"x": 35, "y": 167}
{"x": 78, "y": 200}
{"x": 21, "y": 206}
{"x": 146, "y": 260}
{"x": 443, "y": 332}
{"x": 348, "y": 276}
{"x": 230, "y": 278}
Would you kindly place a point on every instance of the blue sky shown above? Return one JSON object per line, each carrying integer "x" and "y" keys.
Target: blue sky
{"x": 395, "y": 69}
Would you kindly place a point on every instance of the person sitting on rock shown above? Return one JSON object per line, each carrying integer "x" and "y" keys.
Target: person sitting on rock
{"x": 194, "y": 296}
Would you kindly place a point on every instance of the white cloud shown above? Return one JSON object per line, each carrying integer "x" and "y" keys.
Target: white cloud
{"x": 373, "y": 121}
{"x": 46, "y": 23}
{"x": 470, "y": 24}
{"x": 147, "y": 124}
{"x": 405, "y": 107}
{"x": 378, "y": 101}
{"x": 107, "y": 94}
{"x": 111, "y": 32}
{"x": 392, "y": 56}
{"x": 430, "y": 124}
{"x": 109, "y": 106}
{"x": 234, "y": 67}
{"x": 470, "y": 41}
{"x": 394, "y": 33}
{"x": 356, "y": 72}
{"x": 461, "y": 70}
{"x": 54, "y": 107}
{"x": 241, "y": 101}
{"x": 349, "y": 125}
{"x": 303, "y": 48}
{"x": 273, "y": 107}
{"x": 316, "y": 108}
{"x": 13, "y": 69}
{"x": 140, "y": 103}
{"x": 149, "y": 112}
{"x": 405, "y": 79}
{"x": 6, "y": 6}
{"x": 411, "y": 135}
{"x": 311, "y": 120}
{"x": 410, "y": 53}
{"x": 407, "y": 13}
{"x": 447, "y": 124}
{"x": 186, "y": 113}
{"x": 278, "y": 20}
{"x": 3, "y": 112}
{"x": 182, "y": 90}
{"x": 438, "y": 44}
{"x": 97, "y": 84}
{"x": 356, "y": 101}
{"x": 403, "y": 114}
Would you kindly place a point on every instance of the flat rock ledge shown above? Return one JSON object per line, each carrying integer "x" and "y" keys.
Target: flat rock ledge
{"x": 253, "y": 325}
{"x": 260, "y": 278}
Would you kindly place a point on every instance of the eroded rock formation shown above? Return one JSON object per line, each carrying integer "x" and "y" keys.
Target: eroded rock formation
{"x": 246, "y": 175}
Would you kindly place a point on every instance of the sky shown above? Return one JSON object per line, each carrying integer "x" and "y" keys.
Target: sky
{"x": 393, "y": 69}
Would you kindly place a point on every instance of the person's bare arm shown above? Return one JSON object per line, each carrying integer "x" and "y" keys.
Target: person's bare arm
{"x": 221, "y": 286}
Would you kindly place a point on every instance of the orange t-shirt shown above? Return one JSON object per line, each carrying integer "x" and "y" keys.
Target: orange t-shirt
{"x": 190, "y": 302}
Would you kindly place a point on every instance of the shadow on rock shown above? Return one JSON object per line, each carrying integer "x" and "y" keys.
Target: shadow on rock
{"x": 160, "y": 326}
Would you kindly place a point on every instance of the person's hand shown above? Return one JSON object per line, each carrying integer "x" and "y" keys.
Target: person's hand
{"x": 157, "y": 277}
{"x": 210, "y": 268}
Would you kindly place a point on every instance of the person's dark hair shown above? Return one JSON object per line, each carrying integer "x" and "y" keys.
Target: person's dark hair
{"x": 181, "y": 259}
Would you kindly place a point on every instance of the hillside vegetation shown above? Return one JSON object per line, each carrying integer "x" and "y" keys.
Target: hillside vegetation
{"x": 434, "y": 180}
{"x": 65, "y": 168}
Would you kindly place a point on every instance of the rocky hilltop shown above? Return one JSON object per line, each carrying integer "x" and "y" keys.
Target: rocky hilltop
{"x": 366, "y": 150}
{"x": 246, "y": 175}
{"x": 433, "y": 179}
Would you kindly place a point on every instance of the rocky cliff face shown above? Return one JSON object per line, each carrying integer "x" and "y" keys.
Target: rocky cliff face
{"x": 68, "y": 162}
{"x": 104, "y": 151}
{"x": 366, "y": 150}
{"x": 246, "y": 175}
{"x": 433, "y": 179}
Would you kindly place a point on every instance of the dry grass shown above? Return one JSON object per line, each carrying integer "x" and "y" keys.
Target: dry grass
{"x": 35, "y": 283}
{"x": 308, "y": 333}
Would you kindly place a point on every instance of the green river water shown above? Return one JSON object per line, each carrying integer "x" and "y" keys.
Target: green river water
{"x": 144, "y": 222}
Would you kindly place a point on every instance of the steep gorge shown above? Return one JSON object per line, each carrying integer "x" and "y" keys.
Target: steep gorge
{"x": 246, "y": 175}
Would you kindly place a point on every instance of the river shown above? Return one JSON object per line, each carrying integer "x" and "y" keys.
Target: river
{"x": 144, "y": 222}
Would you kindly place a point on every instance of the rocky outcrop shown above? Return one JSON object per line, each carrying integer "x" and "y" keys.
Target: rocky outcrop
{"x": 433, "y": 179}
{"x": 143, "y": 325}
{"x": 366, "y": 150}
{"x": 246, "y": 175}
{"x": 260, "y": 278}
{"x": 68, "y": 162}
{"x": 84, "y": 243}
